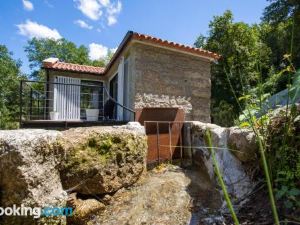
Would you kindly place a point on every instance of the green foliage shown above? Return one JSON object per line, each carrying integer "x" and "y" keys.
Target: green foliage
{"x": 258, "y": 61}
{"x": 265, "y": 103}
{"x": 241, "y": 50}
{"x": 253, "y": 107}
{"x": 284, "y": 156}
{"x": 39, "y": 49}
{"x": 248, "y": 50}
{"x": 9, "y": 86}
{"x": 278, "y": 132}
{"x": 290, "y": 197}
{"x": 223, "y": 113}
{"x": 283, "y": 18}
{"x": 278, "y": 38}
{"x": 281, "y": 10}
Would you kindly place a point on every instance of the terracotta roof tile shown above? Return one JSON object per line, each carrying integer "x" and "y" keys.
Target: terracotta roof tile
{"x": 74, "y": 67}
{"x": 171, "y": 44}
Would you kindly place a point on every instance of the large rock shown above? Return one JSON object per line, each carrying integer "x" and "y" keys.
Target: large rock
{"x": 102, "y": 160}
{"x": 243, "y": 143}
{"x": 234, "y": 175}
{"x": 38, "y": 167}
{"x": 29, "y": 175}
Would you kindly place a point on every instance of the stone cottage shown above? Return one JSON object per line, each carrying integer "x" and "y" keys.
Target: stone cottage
{"x": 144, "y": 72}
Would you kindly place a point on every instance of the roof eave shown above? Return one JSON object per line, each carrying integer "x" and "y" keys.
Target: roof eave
{"x": 195, "y": 54}
{"x": 213, "y": 57}
{"x": 123, "y": 44}
{"x": 72, "y": 71}
{"x": 180, "y": 47}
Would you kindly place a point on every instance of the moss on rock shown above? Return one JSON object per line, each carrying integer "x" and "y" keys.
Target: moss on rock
{"x": 102, "y": 159}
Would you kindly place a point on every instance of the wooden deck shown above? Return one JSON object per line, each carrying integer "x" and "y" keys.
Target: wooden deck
{"x": 63, "y": 124}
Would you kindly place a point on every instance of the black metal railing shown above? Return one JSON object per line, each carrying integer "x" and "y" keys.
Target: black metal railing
{"x": 70, "y": 101}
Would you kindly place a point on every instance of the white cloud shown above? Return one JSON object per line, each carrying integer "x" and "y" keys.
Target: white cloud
{"x": 33, "y": 29}
{"x": 112, "y": 11}
{"x": 95, "y": 9}
{"x": 98, "y": 51}
{"x": 83, "y": 24}
{"x": 27, "y": 5}
{"x": 90, "y": 8}
{"x": 111, "y": 20}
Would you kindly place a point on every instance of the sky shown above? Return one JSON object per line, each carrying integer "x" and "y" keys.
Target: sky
{"x": 100, "y": 25}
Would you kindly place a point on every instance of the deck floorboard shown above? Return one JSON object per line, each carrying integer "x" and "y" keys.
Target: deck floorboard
{"x": 46, "y": 124}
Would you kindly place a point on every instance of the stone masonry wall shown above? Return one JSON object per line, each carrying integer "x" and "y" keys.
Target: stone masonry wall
{"x": 165, "y": 78}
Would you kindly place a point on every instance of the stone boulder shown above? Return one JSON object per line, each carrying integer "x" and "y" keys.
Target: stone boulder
{"x": 38, "y": 168}
{"x": 234, "y": 174}
{"x": 243, "y": 143}
{"x": 28, "y": 173}
{"x": 102, "y": 160}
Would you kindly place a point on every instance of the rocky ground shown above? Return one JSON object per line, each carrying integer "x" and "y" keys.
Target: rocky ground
{"x": 166, "y": 195}
{"x": 170, "y": 195}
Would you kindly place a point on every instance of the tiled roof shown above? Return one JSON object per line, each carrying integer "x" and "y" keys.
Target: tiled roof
{"x": 53, "y": 63}
{"x": 165, "y": 43}
{"x": 73, "y": 67}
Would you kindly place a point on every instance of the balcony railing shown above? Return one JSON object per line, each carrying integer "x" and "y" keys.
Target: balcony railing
{"x": 70, "y": 101}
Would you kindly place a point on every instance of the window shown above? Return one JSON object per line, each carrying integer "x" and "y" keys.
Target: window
{"x": 91, "y": 97}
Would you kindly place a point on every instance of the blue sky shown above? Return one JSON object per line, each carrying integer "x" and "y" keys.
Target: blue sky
{"x": 101, "y": 24}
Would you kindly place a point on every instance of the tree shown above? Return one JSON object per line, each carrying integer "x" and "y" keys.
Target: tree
{"x": 283, "y": 36}
{"x": 242, "y": 53}
{"x": 39, "y": 49}
{"x": 9, "y": 83}
{"x": 281, "y": 10}
{"x": 278, "y": 39}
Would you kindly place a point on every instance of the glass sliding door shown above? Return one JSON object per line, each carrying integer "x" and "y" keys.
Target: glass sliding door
{"x": 91, "y": 98}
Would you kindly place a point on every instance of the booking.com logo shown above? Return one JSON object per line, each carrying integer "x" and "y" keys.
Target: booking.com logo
{"x": 36, "y": 212}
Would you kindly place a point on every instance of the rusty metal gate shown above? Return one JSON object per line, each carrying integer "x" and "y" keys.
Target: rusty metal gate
{"x": 164, "y": 140}
{"x": 164, "y": 129}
